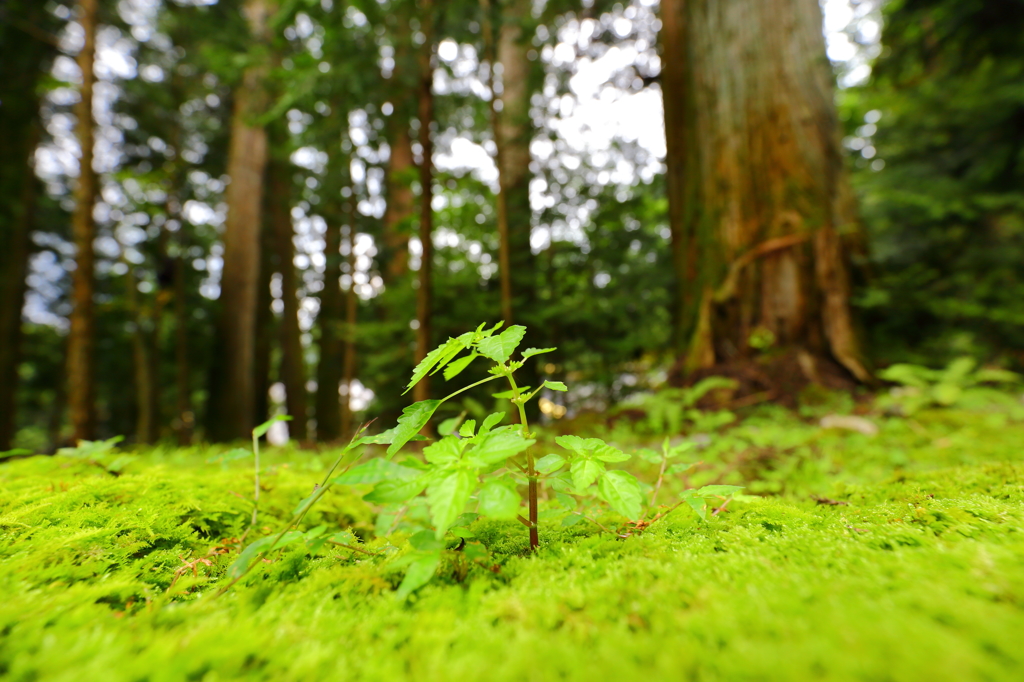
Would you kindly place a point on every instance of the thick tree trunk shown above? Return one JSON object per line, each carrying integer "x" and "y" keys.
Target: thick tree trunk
{"x": 756, "y": 182}
{"x": 424, "y": 294}
{"x": 514, "y": 134}
{"x": 265, "y": 330}
{"x": 328, "y": 320}
{"x": 81, "y": 338}
{"x": 247, "y": 158}
{"x": 293, "y": 369}
{"x": 401, "y": 202}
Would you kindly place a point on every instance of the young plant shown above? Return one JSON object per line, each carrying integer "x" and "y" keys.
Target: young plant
{"x": 959, "y": 384}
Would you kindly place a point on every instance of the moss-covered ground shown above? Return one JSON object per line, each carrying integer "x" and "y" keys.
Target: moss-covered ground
{"x": 898, "y": 556}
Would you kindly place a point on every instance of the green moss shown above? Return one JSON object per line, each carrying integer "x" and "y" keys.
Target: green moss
{"x": 912, "y": 569}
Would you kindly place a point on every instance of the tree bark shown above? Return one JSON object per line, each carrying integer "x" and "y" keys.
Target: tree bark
{"x": 504, "y": 269}
{"x": 184, "y": 423}
{"x": 293, "y": 370}
{"x": 757, "y": 189}
{"x": 513, "y": 135}
{"x": 351, "y": 308}
{"x": 424, "y": 294}
{"x": 247, "y": 158}
{"x": 81, "y": 338}
{"x": 328, "y": 319}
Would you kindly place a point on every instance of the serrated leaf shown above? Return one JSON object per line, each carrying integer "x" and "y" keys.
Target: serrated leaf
{"x": 426, "y": 541}
{"x": 447, "y": 497}
{"x": 444, "y": 451}
{"x": 435, "y": 360}
{"x": 468, "y": 428}
{"x": 530, "y": 352}
{"x": 393, "y": 492}
{"x": 420, "y": 572}
{"x": 499, "y": 348}
{"x": 375, "y": 471}
{"x": 571, "y": 520}
{"x": 490, "y": 422}
{"x": 556, "y": 386}
{"x": 622, "y": 492}
{"x": 413, "y": 418}
{"x": 498, "y": 500}
{"x": 549, "y": 464}
{"x": 499, "y": 445}
{"x": 585, "y": 472}
{"x": 262, "y": 429}
{"x": 238, "y": 567}
{"x": 456, "y": 367}
{"x": 715, "y": 490}
{"x": 697, "y": 504}
{"x": 592, "y": 447}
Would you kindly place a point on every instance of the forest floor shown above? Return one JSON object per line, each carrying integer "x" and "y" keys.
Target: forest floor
{"x": 894, "y": 556}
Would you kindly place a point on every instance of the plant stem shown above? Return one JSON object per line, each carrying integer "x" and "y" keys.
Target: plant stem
{"x": 531, "y": 472}
{"x": 463, "y": 390}
{"x": 661, "y": 479}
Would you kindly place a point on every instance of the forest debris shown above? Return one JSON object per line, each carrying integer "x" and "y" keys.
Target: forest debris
{"x": 849, "y": 422}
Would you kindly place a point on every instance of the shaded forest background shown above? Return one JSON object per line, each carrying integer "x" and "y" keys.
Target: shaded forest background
{"x": 211, "y": 211}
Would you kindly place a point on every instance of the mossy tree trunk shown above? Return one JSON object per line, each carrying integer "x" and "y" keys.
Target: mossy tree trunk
{"x": 758, "y": 194}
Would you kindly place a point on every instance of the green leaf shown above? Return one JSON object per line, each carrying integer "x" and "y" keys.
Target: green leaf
{"x": 375, "y": 471}
{"x": 444, "y": 451}
{"x": 468, "y": 428}
{"x": 556, "y": 386}
{"x": 499, "y": 348}
{"x": 461, "y": 533}
{"x": 241, "y": 564}
{"x": 262, "y": 429}
{"x": 549, "y": 464}
{"x": 490, "y": 422}
{"x": 466, "y": 519}
{"x": 421, "y": 570}
{"x": 697, "y": 504}
{"x": 716, "y": 490}
{"x": 530, "y": 352}
{"x": 585, "y": 472}
{"x": 680, "y": 468}
{"x": 621, "y": 491}
{"x": 500, "y": 444}
{"x": 393, "y": 492}
{"x": 448, "y": 426}
{"x": 456, "y": 367}
{"x": 439, "y": 357}
{"x": 498, "y": 500}
{"x": 383, "y": 438}
{"x": 592, "y": 447}
{"x": 447, "y": 497}
{"x": 426, "y": 541}
{"x": 566, "y": 501}
{"x": 308, "y": 501}
{"x": 413, "y": 418}
{"x": 571, "y": 520}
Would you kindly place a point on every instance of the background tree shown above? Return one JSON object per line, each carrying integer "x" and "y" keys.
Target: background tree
{"x": 765, "y": 197}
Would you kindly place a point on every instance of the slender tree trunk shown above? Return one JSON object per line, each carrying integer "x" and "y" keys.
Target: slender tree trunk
{"x": 424, "y": 294}
{"x": 401, "y": 201}
{"x": 513, "y": 136}
{"x": 184, "y": 423}
{"x": 265, "y": 329}
{"x": 141, "y": 355}
{"x": 756, "y": 180}
{"x": 247, "y": 158}
{"x": 293, "y": 370}
{"x": 81, "y": 338}
{"x": 504, "y": 268}
{"x": 328, "y": 319}
{"x": 351, "y": 308}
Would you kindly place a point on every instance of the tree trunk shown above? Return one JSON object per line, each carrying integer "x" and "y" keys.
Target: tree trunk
{"x": 328, "y": 319}
{"x": 184, "y": 422}
{"x": 81, "y": 338}
{"x": 401, "y": 201}
{"x": 504, "y": 269}
{"x": 513, "y": 136}
{"x": 293, "y": 370}
{"x": 247, "y": 158}
{"x": 424, "y": 294}
{"x": 265, "y": 329}
{"x": 756, "y": 182}
{"x": 141, "y": 355}
{"x": 351, "y": 308}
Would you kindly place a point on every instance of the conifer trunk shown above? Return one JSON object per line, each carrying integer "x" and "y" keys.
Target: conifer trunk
{"x": 758, "y": 194}
{"x": 424, "y": 294}
{"x": 293, "y": 370}
{"x": 247, "y": 158}
{"x": 185, "y": 421}
{"x": 351, "y": 309}
{"x": 81, "y": 338}
{"x": 328, "y": 319}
